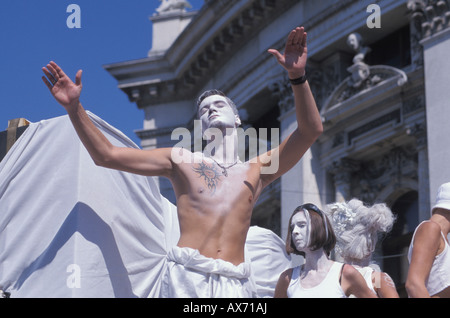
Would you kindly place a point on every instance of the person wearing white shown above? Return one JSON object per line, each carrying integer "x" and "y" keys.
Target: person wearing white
{"x": 215, "y": 192}
{"x": 69, "y": 228}
{"x": 192, "y": 273}
{"x": 311, "y": 235}
{"x": 357, "y": 227}
{"x": 429, "y": 252}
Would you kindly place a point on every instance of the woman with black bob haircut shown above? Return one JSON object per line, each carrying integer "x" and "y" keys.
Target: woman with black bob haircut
{"x": 311, "y": 235}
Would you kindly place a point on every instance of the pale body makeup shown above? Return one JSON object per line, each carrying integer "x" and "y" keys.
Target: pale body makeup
{"x": 300, "y": 227}
{"x": 215, "y": 106}
{"x": 216, "y": 113}
{"x": 215, "y": 193}
{"x": 317, "y": 264}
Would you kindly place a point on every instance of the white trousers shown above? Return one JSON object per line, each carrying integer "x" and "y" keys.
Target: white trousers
{"x": 190, "y": 274}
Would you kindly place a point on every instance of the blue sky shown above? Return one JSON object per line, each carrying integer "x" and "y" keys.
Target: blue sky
{"x": 34, "y": 32}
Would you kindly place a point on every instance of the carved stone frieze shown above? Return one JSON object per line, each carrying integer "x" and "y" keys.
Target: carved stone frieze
{"x": 399, "y": 163}
{"x": 343, "y": 169}
{"x": 431, "y": 15}
{"x": 366, "y": 179}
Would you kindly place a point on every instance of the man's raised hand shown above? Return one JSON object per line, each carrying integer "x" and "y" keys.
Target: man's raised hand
{"x": 66, "y": 92}
{"x": 295, "y": 53}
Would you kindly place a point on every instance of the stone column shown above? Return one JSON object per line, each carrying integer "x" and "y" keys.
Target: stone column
{"x": 290, "y": 186}
{"x": 300, "y": 184}
{"x": 435, "y": 30}
{"x": 419, "y": 131}
{"x": 168, "y": 22}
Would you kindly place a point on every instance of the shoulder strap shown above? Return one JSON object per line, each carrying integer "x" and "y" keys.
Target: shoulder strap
{"x": 340, "y": 274}
{"x": 415, "y": 231}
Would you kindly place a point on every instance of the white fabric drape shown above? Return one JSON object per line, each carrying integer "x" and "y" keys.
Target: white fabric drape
{"x": 69, "y": 228}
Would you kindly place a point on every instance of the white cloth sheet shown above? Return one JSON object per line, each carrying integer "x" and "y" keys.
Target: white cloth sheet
{"x": 69, "y": 228}
{"x": 189, "y": 274}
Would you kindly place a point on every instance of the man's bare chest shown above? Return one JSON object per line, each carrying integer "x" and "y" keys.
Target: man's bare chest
{"x": 207, "y": 181}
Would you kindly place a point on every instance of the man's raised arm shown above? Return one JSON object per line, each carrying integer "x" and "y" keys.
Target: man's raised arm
{"x": 309, "y": 123}
{"x": 155, "y": 162}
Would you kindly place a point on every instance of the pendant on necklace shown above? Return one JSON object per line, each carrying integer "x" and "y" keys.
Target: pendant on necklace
{"x": 224, "y": 172}
{"x": 224, "y": 169}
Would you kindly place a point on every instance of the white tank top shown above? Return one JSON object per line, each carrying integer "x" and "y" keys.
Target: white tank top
{"x": 439, "y": 277}
{"x": 366, "y": 272}
{"x": 330, "y": 287}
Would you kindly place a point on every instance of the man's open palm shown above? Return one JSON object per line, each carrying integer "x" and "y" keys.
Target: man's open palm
{"x": 295, "y": 53}
{"x": 66, "y": 92}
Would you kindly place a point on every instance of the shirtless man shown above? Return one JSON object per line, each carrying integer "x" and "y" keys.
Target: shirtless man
{"x": 215, "y": 192}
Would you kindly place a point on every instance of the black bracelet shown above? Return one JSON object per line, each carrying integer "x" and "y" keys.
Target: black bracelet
{"x": 298, "y": 81}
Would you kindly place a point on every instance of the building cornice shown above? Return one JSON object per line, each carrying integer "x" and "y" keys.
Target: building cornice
{"x": 215, "y": 34}
{"x": 189, "y": 62}
{"x": 431, "y": 16}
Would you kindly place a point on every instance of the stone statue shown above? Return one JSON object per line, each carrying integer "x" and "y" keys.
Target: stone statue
{"x": 355, "y": 42}
{"x": 360, "y": 71}
{"x": 173, "y": 5}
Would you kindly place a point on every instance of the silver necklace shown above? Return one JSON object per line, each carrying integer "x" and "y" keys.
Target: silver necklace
{"x": 224, "y": 168}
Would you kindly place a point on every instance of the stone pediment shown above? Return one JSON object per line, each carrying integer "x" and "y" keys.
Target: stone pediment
{"x": 353, "y": 88}
{"x": 364, "y": 86}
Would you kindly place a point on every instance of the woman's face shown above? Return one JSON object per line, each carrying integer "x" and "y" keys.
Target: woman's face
{"x": 300, "y": 230}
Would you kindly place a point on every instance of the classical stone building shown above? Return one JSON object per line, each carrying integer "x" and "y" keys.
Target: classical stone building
{"x": 378, "y": 71}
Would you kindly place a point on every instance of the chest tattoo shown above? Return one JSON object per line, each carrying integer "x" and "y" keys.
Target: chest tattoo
{"x": 209, "y": 173}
